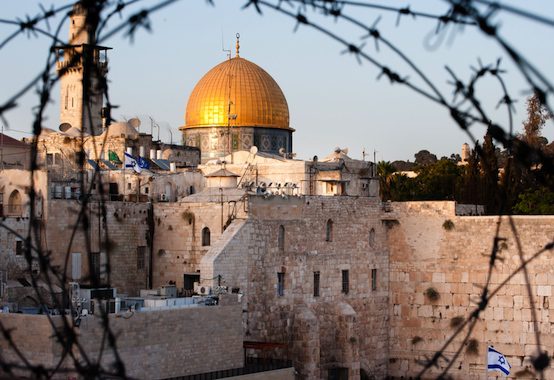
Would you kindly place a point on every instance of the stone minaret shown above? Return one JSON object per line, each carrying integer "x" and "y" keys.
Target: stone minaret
{"x": 82, "y": 66}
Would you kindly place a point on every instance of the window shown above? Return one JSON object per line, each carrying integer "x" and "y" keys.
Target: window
{"x": 281, "y": 238}
{"x": 19, "y": 247}
{"x": 345, "y": 281}
{"x": 205, "y": 237}
{"x": 316, "y": 284}
{"x": 374, "y": 279}
{"x": 94, "y": 266}
{"x": 329, "y": 231}
{"x": 66, "y": 97}
{"x": 146, "y": 190}
{"x": 372, "y": 237}
{"x": 128, "y": 185}
{"x": 14, "y": 204}
{"x": 1, "y": 204}
{"x": 280, "y": 284}
{"x": 141, "y": 253}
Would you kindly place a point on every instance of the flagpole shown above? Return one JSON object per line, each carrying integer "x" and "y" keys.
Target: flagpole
{"x": 124, "y": 175}
{"x": 487, "y": 363}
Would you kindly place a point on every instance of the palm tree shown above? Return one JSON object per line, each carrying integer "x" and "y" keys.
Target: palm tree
{"x": 385, "y": 171}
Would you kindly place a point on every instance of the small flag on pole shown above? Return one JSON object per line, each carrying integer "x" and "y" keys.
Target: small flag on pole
{"x": 112, "y": 156}
{"x": 131, "y": 163}
{"x": 497, "y": 362}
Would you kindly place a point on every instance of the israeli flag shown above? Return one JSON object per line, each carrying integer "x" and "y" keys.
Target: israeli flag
{"x": 142, "y": 163}
{"x": 497, "y": 362}
{"x": 131, "y": 163}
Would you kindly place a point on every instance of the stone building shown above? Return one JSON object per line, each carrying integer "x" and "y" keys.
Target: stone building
{"x": 14, "y": 154}
{"x": 306, "y": 260}
{"x": 82, "y": 66}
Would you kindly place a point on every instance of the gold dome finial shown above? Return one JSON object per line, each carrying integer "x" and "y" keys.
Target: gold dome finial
{"x": 238, "y": 44}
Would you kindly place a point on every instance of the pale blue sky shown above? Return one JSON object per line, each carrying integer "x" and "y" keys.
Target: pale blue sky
{"x": 333, "y": 101}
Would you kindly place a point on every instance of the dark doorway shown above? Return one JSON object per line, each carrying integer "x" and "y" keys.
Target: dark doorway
{"x": 189, "y": 280}
{"x": 338, "y": 374}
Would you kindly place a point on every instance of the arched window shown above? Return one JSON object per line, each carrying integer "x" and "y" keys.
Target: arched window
{"x": 372, "y": 237}
{"x": 281, "y": 238}
{"x": 14, "y": 203}
{"x": 329, "y": 231}
{"x": 205, "y": 237}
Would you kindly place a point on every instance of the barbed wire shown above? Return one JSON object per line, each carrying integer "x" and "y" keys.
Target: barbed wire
{"x": 465, "y": 108}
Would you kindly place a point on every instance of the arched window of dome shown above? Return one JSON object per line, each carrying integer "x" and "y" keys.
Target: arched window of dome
{"x": 281, "y": 238}
{"x": 205, "y": 237}
{"x": 372, "y": 237}
{"x": 14, "y": 204}
{"x": 329, "y": 231}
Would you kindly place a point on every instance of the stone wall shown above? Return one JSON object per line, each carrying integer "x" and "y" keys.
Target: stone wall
{"x": 432, "y": 248}
{"x": 32, "y": 335}
{"x": 127, "y": 228}
{"x": 152, "y": 345}
{"x": 333, "y": 329}
{"x": 12, "y": 260}
{"x": 178, "y": 228}
{"x": 15, "y": 218}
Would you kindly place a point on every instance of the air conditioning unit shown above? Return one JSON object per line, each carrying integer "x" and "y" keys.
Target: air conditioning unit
{"x": 164, "y": 197}
{"x": 202, "y": 290}
{"x": 169, "y": 291}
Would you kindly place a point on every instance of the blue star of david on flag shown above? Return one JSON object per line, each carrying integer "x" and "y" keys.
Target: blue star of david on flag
{"x": 497, "y": 362}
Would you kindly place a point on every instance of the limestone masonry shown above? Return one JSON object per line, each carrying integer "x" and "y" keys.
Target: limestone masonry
{"x": 228, "y": 256}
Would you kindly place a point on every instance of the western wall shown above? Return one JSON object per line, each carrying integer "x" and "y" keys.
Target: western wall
{"x": 431, "y": 248}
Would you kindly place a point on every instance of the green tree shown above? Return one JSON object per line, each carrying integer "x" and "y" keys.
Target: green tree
{"x": 489, "y": 172}
{"x": 403, "y": 188}
{"x": 425, "y": 158}
{"x": 385, "y": 170}
{"x": 438, "y": 181}
{"x": 535, "y": 202}
{"x": 519, "y": 176}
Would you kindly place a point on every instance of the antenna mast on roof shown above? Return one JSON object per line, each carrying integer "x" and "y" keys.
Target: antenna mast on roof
{"x": 227, "y": 51}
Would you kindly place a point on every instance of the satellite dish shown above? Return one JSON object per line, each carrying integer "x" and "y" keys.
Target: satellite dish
{"x": 64, "y": 127}
{"x": 282, "y": 151}
{"x": 315, "y": 159}
{"x": 345, "y": 151}
{"x": 134, "y": 122}
{"x": 254, "y": 150}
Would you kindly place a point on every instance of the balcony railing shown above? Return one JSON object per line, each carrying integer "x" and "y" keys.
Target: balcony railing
{"x": 13, "y": 210}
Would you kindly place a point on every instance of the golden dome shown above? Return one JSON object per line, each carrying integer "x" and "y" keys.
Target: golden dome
{"x": 256, "y": 99}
